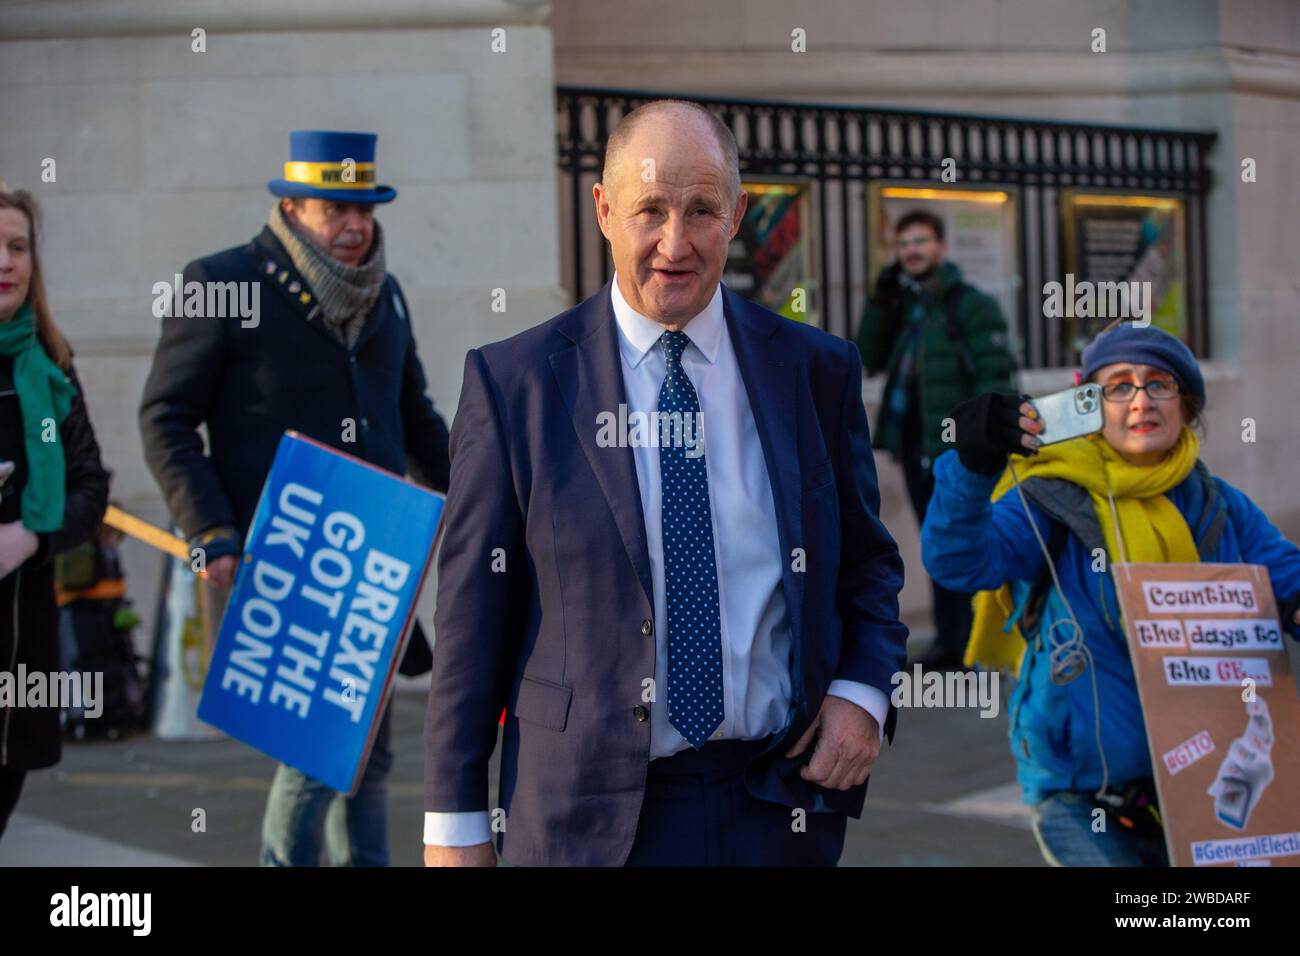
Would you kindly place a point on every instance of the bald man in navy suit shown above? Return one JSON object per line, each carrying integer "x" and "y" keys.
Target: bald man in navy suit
{"x": 662, "y": 555}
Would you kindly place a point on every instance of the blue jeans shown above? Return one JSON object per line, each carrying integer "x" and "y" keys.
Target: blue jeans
{"x": 302, "y": 813}
{"x": 1063, "y": 824}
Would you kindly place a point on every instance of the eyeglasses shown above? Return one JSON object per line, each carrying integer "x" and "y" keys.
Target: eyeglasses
{"x": 1161, "y": 390}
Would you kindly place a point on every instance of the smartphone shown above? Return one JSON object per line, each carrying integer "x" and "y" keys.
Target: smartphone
{"x": 1069, "y": 414}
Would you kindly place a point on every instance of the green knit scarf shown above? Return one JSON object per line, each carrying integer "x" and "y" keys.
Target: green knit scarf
{"x": 45, "y": 397}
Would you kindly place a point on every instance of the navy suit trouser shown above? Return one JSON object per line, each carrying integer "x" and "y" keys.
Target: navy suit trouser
{"x": 697, "y": 811}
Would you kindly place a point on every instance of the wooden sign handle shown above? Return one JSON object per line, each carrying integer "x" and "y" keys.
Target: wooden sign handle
{"x": 150, "y": 534}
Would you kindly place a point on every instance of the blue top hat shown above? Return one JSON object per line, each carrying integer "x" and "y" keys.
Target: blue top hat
{"x": 330, "y": 165}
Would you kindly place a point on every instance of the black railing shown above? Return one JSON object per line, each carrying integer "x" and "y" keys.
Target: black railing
{"x": 843, "y": 149}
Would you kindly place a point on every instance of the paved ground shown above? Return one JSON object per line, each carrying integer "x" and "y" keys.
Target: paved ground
{"x": 943, "y": 795}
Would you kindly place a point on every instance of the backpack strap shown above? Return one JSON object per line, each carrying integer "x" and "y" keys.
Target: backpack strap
{"x": 1032, "y": 613}
{"x": 956, "y": 334}
{"x": 1069, "y": 506}
{"x": 1215, "y": 509}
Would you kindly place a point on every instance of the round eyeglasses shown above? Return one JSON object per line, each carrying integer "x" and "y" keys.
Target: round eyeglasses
{"x": 1161, "y": 390}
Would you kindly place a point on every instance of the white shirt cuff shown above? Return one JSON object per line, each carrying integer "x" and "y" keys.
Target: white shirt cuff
{"x": 457, "y": 829}
{"x": 871, "y": 699}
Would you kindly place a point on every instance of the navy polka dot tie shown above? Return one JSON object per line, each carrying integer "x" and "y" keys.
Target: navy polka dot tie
{"x": 694, "y": 632}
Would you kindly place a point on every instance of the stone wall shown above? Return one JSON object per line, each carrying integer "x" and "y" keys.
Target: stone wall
{"x": 162, "y": 155}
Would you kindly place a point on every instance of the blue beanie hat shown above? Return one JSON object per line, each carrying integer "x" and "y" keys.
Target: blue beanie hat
{"x": 1146, "y": 346}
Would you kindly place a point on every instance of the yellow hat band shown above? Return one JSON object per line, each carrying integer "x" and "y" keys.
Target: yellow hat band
{"x": 332, "y": 175}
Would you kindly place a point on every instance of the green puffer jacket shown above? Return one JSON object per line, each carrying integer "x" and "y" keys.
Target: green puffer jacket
{"x": 943, "y": 382}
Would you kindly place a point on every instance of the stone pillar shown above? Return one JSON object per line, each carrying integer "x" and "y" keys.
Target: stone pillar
{"x": 162, "y": 154}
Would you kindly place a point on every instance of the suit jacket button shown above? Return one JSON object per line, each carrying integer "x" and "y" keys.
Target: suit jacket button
{"x": 647, "y": 628}
{"x": 640, "y": 713}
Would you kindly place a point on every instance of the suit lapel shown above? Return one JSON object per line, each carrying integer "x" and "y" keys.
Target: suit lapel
{"x": 380, "y": 313}
{"x": 277, "y": 271}
{"x": 590, "y": 377}
{"x": 771, "y": 377}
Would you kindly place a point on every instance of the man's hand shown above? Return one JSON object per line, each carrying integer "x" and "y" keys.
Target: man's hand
{"x": 480, "y": 854}
{"x": 887, "y": 284}
{"x": 17, "y": 544}
{"x": 846, "y": 749}
{"x": 221, "y": 571}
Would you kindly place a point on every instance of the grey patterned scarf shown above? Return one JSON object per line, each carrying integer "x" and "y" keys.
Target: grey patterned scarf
{"x": 346, "y": 294}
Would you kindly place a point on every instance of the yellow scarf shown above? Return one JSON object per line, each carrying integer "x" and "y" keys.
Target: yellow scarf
{"x": 1153, "y": 530}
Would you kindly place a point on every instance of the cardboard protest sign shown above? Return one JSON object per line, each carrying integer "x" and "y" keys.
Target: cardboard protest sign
{"x": 1221, "y": 709}
{"x": 320, "y": 610}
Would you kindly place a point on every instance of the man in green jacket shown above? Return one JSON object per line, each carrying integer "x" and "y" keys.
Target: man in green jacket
{"x": 940, "y": 341}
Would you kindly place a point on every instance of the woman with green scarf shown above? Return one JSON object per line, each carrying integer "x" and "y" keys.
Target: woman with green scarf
{"x": 1137, "y": 491}
{"x": 52, "y": 498}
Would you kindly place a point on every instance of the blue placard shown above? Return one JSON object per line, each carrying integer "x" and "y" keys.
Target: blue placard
{"x": 320, "y": 610}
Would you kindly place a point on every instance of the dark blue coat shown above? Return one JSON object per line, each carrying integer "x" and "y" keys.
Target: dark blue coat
{"x": 248, "y": 385}
{"x": 557, "y": 637}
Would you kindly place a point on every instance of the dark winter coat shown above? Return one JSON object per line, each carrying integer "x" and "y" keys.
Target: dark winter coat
{"x": 31, "y": 737}
{"x": 250, "y": 384}
{"x": 947, "y": 376}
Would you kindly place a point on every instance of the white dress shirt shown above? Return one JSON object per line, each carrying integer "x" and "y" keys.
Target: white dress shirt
{"x": 756, "y": 641}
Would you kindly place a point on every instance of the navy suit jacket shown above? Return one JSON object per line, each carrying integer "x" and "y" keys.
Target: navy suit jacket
{"x": 544, "y": 587}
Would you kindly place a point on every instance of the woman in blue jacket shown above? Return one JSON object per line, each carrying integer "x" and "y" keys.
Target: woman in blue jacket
{"x": 1135, "y": 491}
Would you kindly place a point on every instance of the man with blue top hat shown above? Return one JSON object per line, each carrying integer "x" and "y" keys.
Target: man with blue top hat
{"x": 331, "y": 354}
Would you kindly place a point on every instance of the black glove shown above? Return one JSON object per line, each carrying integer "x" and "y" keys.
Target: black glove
{"x": 887, "y": 284}
{"x": 988, "y": 430}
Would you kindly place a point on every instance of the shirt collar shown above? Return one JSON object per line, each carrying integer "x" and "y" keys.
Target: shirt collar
{"x": 639, "y": 334}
